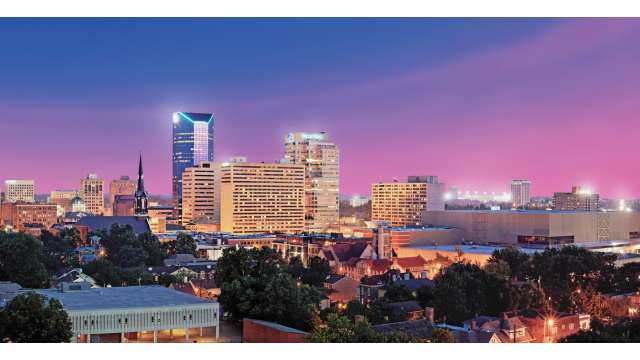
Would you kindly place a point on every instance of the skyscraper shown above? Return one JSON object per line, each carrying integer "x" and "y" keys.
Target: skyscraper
{"x": 258, "y": 197}
{"x": 192, "y": 144}
{"x": 200, "y": 200}
{"x": 92, "y": 193}
{"x": 321, "y": 159}
{"x": 19, "y": 190}
{"x": 402, "y": 204}
{"x": 520, "y": 192}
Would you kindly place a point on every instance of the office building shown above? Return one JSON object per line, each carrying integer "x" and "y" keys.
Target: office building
{"x": 402, "y": 204}
{"x": 123, "y": 314}
{"x": 321, "y": 159}
{"x": 520, "y": 192}
{"x": 541, "y": 227}
{"x": 192, "y": 144}
{"x": 122, "y": 186}
{"x": 63, "y": 199}
{"x": 577, "y": 200}
{"x": 23, "y": 216}
{"x": 19, "y": 190}
{"x": 92, "y": 193}
{"x": 124, "y": 205}
{"x": 258, "y": 197}
{"x": 200, "y": 203}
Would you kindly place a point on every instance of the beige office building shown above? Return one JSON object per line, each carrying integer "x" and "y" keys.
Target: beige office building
{"x": 92, "y": 193}
{"x": 259, "y": 197}
{"x": 520, "y": 193}
{"x": 540, "y": 227}
{"x": 402, "y": 204}
{"x": 122, "y": 186}
{"x": 19, "y": 190}
{"x": 578, "y": 199}
{"x": 63, "y": 199}
{"x": 200, "y": 203}
{"x": 321, "y": 159}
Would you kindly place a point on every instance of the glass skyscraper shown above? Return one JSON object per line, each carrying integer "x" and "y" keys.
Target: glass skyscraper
{"x": 192, "y": 143}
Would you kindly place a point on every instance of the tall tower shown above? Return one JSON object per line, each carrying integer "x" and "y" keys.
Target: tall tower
{"x": 142, "y": 199}
{"x": 192, "y": 144}
{"x": 520, "y": 192}
{"x": 92, "y": 193}
{"x": 321, "y": 159}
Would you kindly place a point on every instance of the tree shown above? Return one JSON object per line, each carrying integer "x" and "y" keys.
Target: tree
{"x": 354, "y": 307}
{"x": 153, "y": 249}
{"x": 589, "y": 301}
{"x": 339, "y": 329}
{"x": 58, "y": 251}
{"x": 255, "y": 283}
{"x": 317, "y": 271}
{"x": 516, "y": 260}
{"x": 71, "y": 236}
{"x": 441, "y": 336}
{"x": 398, "y": 292}
{"x": 185, "y": 244}
{"x": 424, "y": 295}
{"x": 30, "y": 318}
{"x": 22, "y": 261}
{"x": 296, "y": 267}
{"x": 624, "y": 331}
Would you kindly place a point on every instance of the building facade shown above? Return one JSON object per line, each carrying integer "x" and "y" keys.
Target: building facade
{"x": 192, "y": 144}
{"x": 122, "y": 186}
{"x": 402, "y": 204}
{"x": 578, "y": 199}
{"x": 19, "y": 190}
{"x": 200, "y": 202}
{"x": 63, "y": 199}
{"x": 520, "y": 192}
{"x": 22, "y": 216}
{"x": 258, "y": 197}
{"x": 92, "y": 193}
{"x": 321, "y": 159}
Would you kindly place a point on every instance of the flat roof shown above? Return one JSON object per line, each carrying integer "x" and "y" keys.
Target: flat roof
{"x": 277, "y": 326}
{"x": 126, "y": 297}
{"x": 472, "y": 249}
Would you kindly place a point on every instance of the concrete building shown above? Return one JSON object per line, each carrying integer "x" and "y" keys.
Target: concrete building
{"x": 158, "y": 216}
{"x": 259, "y": 197}
{"x": 520, "y": 192}
{"x": 321, "y": 160}
{"x": 540, "y": 227}
{"x": 192, "y": 143}
{"x": 23, "y": 216}
{"x": 123, "y": 205}
{"x": 92, "y": 193}
{"x": 200, "y": 195}
{"x": 402, "y": 204}
{"x": 578, "y": 199}
{"x": 122, "y": 186}
{"x": 19, "y": 190}
{"x": 63, "y": 199}
{"x": 124, "y": 313}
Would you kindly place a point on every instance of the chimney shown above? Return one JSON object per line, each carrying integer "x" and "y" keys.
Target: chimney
{"x": 429, "y": 314}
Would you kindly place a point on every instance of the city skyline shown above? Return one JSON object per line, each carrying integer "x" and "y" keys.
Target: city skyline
{"x": 478, "y": 103}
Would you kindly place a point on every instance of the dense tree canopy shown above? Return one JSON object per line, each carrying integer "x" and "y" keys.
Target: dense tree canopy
{"x": 126, "y": 249}
{"x": 184, "y": 244}
{"x": 22, "y": 260}
{"x": 256, "y": 284}
{"x": 30, "y": 318}
{"x": 624, "y": 331}
{"x": 340, "y": 329}
{"x": 398, "y": 292}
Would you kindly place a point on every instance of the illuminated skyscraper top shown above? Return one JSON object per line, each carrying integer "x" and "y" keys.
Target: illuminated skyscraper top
{"x": 192, "y": 143}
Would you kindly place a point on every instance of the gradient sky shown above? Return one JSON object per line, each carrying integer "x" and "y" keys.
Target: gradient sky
{"x": 477, "y": 102}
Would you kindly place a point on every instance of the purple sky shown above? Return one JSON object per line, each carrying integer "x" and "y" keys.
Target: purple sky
{"x": 476, "y": 102}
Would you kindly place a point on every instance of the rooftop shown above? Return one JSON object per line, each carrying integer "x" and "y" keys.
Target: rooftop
{"x": 472, "y": 249}
{"x": 121, "y": 298}
{"x": 139, "y": 225}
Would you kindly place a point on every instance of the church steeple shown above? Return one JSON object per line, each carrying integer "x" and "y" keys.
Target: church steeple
{"x": 141, "y": 194}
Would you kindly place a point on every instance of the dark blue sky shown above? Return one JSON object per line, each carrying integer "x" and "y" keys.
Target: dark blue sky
{"x": 85, "y": 95}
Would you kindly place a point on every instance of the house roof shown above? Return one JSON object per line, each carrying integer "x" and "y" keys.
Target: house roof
{"x": 415, "y": 284}
{"x": 139, "y": 224}
{"x": 333, "y": 278}
{"x": 405, "y": 306}
{"x": 348, "y": 250}
{"x": 410, "y": 262}
{"x": 277, "y": 326}
{"x": 421, "y": 329}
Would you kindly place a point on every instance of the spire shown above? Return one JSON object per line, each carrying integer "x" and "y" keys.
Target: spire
{"x": 141, "y": 195}
{"x": 140, "y": 175}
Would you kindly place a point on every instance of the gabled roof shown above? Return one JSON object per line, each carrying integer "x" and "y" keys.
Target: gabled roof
{"x": 421, "y": 329}
{"x": 333, "y": 278}
{"x": 415, "y": 284}
{"x": 345, "y": 251}
{"x": 139, "y": 224}
{"x": 410, "y": 262}
{"x": 405, "y": 306}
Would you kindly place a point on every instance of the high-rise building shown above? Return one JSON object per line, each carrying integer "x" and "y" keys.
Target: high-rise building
{"x": 122, "y": 186}
{"x": 63, "y": 199}
{"x": 259, "y": 197}
{"x": 19, "y": 190}
{"x": 192, "y": 144}
{"x": 578, "y": 199}
{"x": 200, "y": 195}
{"x": 92, "y": 193}
{"x": 520, "y": 192}
{"x": 321, "y": 159}
{"x": 141, "y": 196}
{"x": 402, "y": 204}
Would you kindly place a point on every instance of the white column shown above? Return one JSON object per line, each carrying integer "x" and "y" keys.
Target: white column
{"x": 217, "y": 331}
{"x": 121, "y": 337}
{"x": 155, "y": 336}
{"x": 186, "y": 334}
{"x": 88, "y": 338}
{"x": 200, "y": 331}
